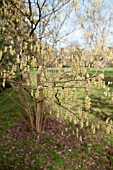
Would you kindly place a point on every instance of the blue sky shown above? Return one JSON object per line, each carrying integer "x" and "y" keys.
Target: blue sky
{"x": 77, "y": 35}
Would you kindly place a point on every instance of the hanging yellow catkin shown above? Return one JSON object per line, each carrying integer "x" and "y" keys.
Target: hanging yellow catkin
{"x": 0, "y": 54}
{"x": 87, "y": 102}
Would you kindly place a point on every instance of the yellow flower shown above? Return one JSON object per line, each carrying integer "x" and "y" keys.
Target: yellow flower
{"x": 0, "y": 54}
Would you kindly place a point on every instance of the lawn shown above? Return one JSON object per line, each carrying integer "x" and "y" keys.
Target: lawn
{"x": 58, "y": 147}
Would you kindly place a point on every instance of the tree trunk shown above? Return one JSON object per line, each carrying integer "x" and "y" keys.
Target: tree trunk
{"x": 39, "y": 106}
{"x": 39, "y": 116}
{"x": 31, "y": 120}
{"x": 28, "y": 112}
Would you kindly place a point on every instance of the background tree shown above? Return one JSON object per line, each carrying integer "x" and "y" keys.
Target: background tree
{"x": 95, "y": 19}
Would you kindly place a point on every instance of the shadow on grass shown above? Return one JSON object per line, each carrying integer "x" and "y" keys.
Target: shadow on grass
{"x": 101, "y": 108}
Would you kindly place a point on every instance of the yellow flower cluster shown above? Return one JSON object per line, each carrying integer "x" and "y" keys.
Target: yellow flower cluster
{"x": 87, "y": 123}
{"x": 39, "y": 70}
{"x": 87, "y": 102}
{"x": 47, "y": 93}
{"x": 11, "y": 51}
{"x": 108, "y": 129}
{"x": 3, "y": 83}
{"x": 33, "y": 62}
{"x": 0, "y": 54}
{"x": 73, "y": 95}
{"x": 5, "y": 49}
{"x": 18, "y": 59}
{"x": 99, "y": 84}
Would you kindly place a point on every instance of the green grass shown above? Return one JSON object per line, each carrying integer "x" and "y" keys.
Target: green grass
{"x": 20, "y": 148}
{"x": 10, "y": 111}
{"x": 101, "y": 106}
{"x": 108, "y": 73}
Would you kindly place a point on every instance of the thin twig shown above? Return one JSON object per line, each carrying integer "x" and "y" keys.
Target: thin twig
{"x": 17, "y": 103}
{"x": 6, "y": 97}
